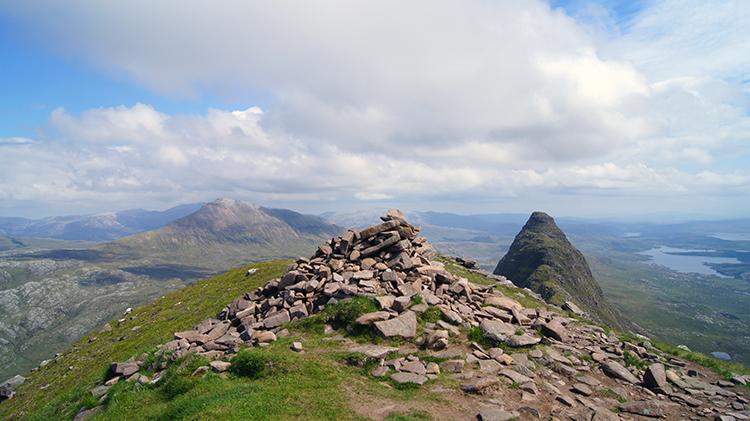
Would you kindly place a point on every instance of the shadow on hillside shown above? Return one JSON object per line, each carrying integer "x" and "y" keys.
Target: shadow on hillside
{"x": 88, "y": 255}
{"x": 165, "y": 272}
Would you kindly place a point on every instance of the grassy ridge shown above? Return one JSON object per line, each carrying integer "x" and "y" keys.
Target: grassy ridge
{"x": 84, "y": 363}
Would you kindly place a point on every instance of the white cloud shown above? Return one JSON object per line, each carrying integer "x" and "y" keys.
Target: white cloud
{"x": 442, "y": 101}
{"x": 372, "y": 196}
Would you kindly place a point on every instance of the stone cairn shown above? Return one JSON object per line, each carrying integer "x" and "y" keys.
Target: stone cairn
{"x": 566, "y": 378}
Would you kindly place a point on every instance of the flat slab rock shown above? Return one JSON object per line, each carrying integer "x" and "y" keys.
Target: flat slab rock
{"x": 479, "y": 384}
{"x": 495, "y": 414}
{"x": 404, "y": 325}
{"x": 404, "y": 377}
{"x": 374, "y": 351}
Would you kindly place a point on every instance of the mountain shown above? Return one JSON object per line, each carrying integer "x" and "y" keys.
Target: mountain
{"x": 226, "y": 233}
{"x": 542, "y": 259}
{"x": 106, "y": 226}
{"x": 52, "y": 292}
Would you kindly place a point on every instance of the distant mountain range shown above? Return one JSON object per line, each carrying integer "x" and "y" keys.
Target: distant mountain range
{"x": 106, "y": 226}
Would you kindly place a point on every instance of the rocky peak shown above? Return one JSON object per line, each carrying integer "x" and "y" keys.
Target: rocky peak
{"x": 542, "y": 259}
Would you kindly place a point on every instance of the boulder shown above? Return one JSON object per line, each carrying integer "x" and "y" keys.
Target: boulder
{"x": 497, "y": 330}
{"x": 405, "y": 325}
{"x": 614, "y": 369}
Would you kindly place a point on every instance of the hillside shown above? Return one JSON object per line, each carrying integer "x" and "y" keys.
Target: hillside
{"x": 50, "y": 297}
{"x": 480, "y": 349}
{"x": 542, "y": 259}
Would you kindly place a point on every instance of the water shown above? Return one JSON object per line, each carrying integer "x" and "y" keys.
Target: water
{"x": 681, "y": 263}
{"x": 731, "y": 236}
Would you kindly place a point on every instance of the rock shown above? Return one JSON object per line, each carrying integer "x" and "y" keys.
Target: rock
{"x": 479, "y": 384}
{"x": 400, "y": 304}
{"x": 555, "y": 330}
{"x": 124, "y": 369}
{"x": 375, "y": 351}
{"x": 571, "y": 307}
{"x": 566, "y": 400}
{"x": 199, "y": 372}
{"x": 370, "y": 318}
{"x": 489, "y": 366}
{"x": 645, "y": 408}
{"x": 655, "y": 376}
{"x": 494, "y": 414}
{"x": 380, "y": 371}
{"x": 501, "y": 302}
{"x": 433, "y": 368}
{"x": 515, "y": 376}
{"x": 522, "y": 340}
{"x": 85, "y": 414}
{"x": 99, "y": 391}
{"x": 220, "y": 366}
{"x": 582, "y": 389}
{"x": 265, "y": 337}
{"x": 405, "y": 377}
{"x": 297, "y": 346}
{"x": 453, "y": 366}
{"x": 405, "y": 325}
{"x": 437, "y": 340}
{"x": 277, "y": 319}
{"x": 497, "y": 330}
{"x": 386, "y": 301}
{"x": 614, "y": 369}
{"x": 8, "y": 387}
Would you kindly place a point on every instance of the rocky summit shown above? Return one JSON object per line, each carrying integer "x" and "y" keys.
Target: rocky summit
{"x": 522, "y": 362}
{"x": 542, "y": 259}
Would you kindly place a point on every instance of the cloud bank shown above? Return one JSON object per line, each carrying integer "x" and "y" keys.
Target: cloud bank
{"x": 457, "y": 105}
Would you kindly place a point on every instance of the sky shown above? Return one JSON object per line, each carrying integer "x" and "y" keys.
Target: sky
{"x": 575, "y": 108}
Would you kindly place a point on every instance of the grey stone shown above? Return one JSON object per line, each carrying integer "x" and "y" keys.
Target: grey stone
{"x": 124, "y": 369}
{"x": 437, "y": 340}
{"x": 522, "y": 340}
{"x": 645, "y": 408}
{"x": 405, "y": 325}
{"x": 614, "y": 369}
{"x": 453, "y": 366}
{"x": 582, "y": 389}
{"x": 277, "y": 319}
{"x": 8, "y": 387}
{"x": 556, "y": 330}
{"x": 494, "y": 414}
{"x": 416, "y": 367}
{"x": 570, "y": 306}
{"x": 497, "y": 330}
{"x": 99, "y": 391}
{"x": 404, "y": 377}
{"x": 479, "y": 384}
{"x": 85, "y": 414}
{"x": 515, "y": 376}
{"x": 380, "y": 371}
{"x": 655, "y": 376}
{"x": 386, "y": 301}
{"x": 375, "y": 351}
{"x": 401, "y": 303}
{"x": 370, "y": 318}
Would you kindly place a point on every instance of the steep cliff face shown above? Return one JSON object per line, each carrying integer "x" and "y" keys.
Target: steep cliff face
{"x": 542, "y": 259}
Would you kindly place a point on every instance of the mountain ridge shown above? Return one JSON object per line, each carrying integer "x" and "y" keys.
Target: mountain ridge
{"x": 542, "y": 259}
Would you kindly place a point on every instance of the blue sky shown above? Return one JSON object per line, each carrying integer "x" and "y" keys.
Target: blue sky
{"x": 576, "y": 108}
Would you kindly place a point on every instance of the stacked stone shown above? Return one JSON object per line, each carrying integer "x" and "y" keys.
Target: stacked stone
{"x": 389, "y": 262}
